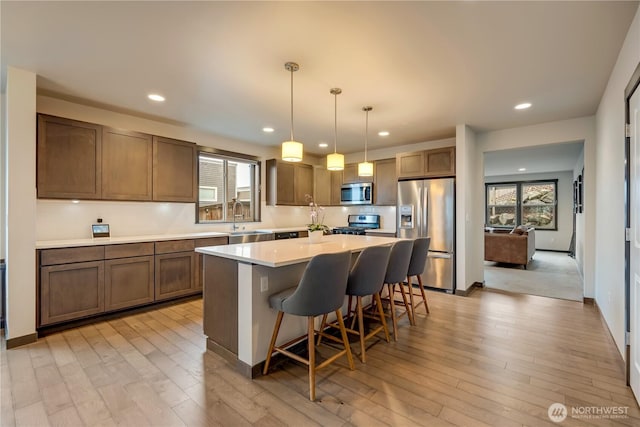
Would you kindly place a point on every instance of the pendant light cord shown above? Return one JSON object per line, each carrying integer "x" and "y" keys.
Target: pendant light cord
{"x": 292, "y": 105}
{"x": 366, "y": 134}
{"x": 335, "y": 123}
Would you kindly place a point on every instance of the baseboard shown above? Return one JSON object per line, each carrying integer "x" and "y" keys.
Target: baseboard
{"x": 468, "y": 291}
{"x": 552, "y": 250}
{"x": 621, "y": 361}
{"x": 23, "y": 340}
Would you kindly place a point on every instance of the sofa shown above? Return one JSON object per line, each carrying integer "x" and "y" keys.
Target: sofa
{"x": 515, "y": 246}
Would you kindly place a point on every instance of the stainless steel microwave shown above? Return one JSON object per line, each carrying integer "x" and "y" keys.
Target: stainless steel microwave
{"x": 360, "y": 193}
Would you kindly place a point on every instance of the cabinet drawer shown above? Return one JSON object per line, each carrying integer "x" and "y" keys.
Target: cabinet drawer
{"x": 174, "y": 246}
{"x": 128, "y": 250}
{"x": 69, "y": 255}
{"x": 212, "y": 241}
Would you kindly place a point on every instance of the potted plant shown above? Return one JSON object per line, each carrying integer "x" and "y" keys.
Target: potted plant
{"x": 316, "y": 227}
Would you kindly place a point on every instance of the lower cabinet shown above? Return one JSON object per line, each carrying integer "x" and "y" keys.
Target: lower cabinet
{"x": 128, "y": 282}
{"x": 175, "y": 275}
{"x": 71, "y": 291}
{"x": 79, "y": 282}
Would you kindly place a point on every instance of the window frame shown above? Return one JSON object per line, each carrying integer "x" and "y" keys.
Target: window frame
{"x": 227, "y": 156}
{"x": 519, "y": 203}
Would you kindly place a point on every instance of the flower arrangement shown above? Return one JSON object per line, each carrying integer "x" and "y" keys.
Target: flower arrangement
{"x": 317, "y": 215}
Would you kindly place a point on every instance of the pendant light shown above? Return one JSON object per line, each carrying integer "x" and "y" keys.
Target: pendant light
{"x": 292, "y": 150}
{"x": 366, "y": 168}
{"x": 335, "y": 161}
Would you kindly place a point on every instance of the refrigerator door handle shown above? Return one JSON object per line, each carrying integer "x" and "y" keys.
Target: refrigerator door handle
{"x": 418, "y": 214}
{"x": 425, "y": 212}
{"x": 439, "y": 255}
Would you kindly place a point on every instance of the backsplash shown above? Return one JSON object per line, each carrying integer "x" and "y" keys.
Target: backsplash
{"x": 63, "y": 219}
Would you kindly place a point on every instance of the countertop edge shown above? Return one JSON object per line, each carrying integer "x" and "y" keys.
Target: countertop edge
{"x": 53, "y": 244}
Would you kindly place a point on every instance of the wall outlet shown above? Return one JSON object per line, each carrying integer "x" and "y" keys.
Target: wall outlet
{"x": 264, "y": 284}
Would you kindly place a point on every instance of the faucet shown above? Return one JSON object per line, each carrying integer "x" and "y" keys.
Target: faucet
{"x": 236, "y": 202}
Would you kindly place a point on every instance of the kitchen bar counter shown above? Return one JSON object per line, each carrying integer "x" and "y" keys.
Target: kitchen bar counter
{"x": 70, "y": 243}
{"x": 238, "y": 280}
{"x": 278, "y": 253}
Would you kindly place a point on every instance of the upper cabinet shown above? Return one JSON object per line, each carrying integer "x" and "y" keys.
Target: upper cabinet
{"x": 126, "y": 165}
{"x": 327, "y": 186}
{"x": 68, "y": 159}
{"x": 439, "y": 162}
{"x": 78, "y": 160}
{"x": 350, "y": 174}
{"x": 174, "y": 170}
{"x": 288, "y": 183}
{"x": 385, "y": 182}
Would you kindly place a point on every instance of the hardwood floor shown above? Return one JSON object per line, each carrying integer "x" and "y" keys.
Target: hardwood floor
{"x": 490, "y": 359}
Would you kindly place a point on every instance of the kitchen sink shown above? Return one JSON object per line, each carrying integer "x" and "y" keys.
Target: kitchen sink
{"x": 249, "y": 236}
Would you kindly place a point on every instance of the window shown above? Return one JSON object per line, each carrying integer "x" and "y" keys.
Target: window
{"x": 522, "y": 203}
{"x": 224, "y": 182}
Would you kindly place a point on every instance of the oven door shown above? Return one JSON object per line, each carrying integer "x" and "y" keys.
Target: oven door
{"x": 356, "y": 194}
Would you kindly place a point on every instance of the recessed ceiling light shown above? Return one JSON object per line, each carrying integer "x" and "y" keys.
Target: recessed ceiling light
{"x": 383, "y": 133}
{"x": 267, "y": 129}
{"x": 523, "y": 106}
{"x": 522, "y": 169}
{"x": 75, "y": 201}
{"x": 155, "y": 97}
{"x": 323, "y": 145}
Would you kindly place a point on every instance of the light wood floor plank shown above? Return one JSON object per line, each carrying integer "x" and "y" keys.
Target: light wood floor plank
{"x": 490, "y": 359}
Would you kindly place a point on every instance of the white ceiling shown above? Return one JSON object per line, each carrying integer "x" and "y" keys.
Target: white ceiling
{"x": 423, "y": 66}
{"x": 540, "y": 159}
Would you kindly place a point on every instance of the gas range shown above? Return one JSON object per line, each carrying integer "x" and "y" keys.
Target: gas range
{"x": 359, "y": 224}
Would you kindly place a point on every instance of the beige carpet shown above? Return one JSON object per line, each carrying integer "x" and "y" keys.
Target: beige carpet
{"x": 550, "y": 274}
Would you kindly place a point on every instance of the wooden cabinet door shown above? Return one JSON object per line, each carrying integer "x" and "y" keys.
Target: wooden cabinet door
{"x": 127, "y": 160}
{"x": 128, "y": 282}
{"x": 440, "y": 162}
{"x": 175, "y": 275}
{"x": 280, "y": 183}
{"x": 322, "y": 186}
{"x": 200, "y": 243}
{"x": 71, "y": 291}
{"x": 385, "y": 182}
{"x": 303, "y": 183}
{"x": 350, "y": 174}
{"x": 410, "y": 165}
{"x": 336, "y": 187}
{"x": 174, "y": 170}
{"x": 68, "y": 159}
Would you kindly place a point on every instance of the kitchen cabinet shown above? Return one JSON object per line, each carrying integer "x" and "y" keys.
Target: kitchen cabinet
{"x": 129, "y": 275}
{"x": 174, "y": 170}
{"x": 200, "y": 243}
{"x": 69, "y": 154}
{"x": 175, "y": 273}
{"x": 385, "y": 182}
{"x": 438, "y": 162}
{"x": 350, "y": 174}
{"x": 127, "y": 162}
{"x": 327, "y": 186}
{"x": 288, "y": 183}
{"x": 71, "y": 284}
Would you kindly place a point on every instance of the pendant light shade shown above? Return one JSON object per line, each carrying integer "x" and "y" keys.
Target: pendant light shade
{"x": 366, "y": 168}
{"x": 335, "y": 161}
{"x": 292, "y": 150}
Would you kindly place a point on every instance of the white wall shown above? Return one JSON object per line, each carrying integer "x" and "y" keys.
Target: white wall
{"x": 609, "y": 178}
{"x": 560, "y": 239}
{"x": 21, "y": 198}
{"x": 580, "y": 129}
{"x": 469, "y": 230}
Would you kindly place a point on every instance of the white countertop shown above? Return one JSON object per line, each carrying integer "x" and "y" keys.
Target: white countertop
{"x": 50, "y": 244}
{"x": 276, "y": 253}
{"x": 281, "y": 230}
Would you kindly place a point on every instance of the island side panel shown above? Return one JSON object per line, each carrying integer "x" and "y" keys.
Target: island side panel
{"x": 220, "y": 305}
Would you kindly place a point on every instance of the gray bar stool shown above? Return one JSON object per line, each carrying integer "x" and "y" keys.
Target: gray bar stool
{"x": 320, "y": 291}
{"x": 366, "y": 278}
{"x": 396, "y": 274}
{"x": 416, "y": 268}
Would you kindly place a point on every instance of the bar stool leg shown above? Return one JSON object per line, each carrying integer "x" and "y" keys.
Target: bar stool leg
{"x": 361, "y": 328}
{"x": 276, "y": 329}
{"x": 424, "y": 295}
{"x": 383, "y": 319}
{"x": 410, "y": 291}
{"x": 394, "y": 320}
{"x": 323, "y": 325}
{"x": 312, "y": 359}
{"x": 406, "y": 304}
{"x": 345, "y": 339}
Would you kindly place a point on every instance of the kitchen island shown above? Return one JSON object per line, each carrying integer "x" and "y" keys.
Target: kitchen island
{"x": 238, "y": 280}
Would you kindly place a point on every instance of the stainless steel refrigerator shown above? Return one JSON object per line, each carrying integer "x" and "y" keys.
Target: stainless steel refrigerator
{"x": 426, "y": 208}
